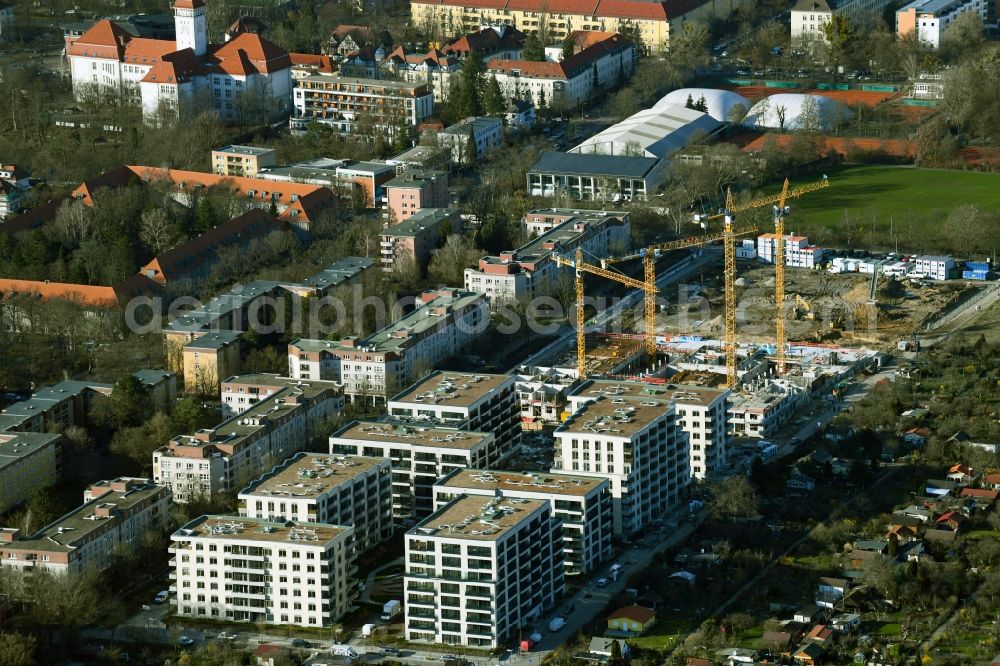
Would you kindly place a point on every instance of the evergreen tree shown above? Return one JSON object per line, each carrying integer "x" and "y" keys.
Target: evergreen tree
{"x": 533, "y": 49}
{"x": 568, "y": 47}
{"x": 701, "y": 105}
{"x": 468, "y": 95}
{"x": 689, "y": 104}
{"x": 541, "y": 98}
{"x": 494, "y": 103}
{"x": 205, "y": 217}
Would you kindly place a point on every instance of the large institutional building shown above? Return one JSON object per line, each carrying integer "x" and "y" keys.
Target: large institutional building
{"x": 246, "y": 74}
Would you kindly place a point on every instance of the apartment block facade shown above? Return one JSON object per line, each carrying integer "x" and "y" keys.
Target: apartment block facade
{"x": 230, "y": 455}
{"x": 529, "y": 271}
{"x": 638, "y": 446}
{"x": 331, "y": 489}
{"x": 342, "y": 102}
{"x": 28, "y": 461}
{"x": 410, "y": 243}
{"x": 929, "y": 19}
{"x": 242, "y": 160}
{"x": 238, "y": 569}
{"x": 583, "y": 504}
{"x": 111, "y": 521}
{"x": 479, "y": 570}
{"x": 373, "y": 368}
{"x": 415, "y": 190}
{"x": 418, "y": 456}
{"x": 657, "y": 22}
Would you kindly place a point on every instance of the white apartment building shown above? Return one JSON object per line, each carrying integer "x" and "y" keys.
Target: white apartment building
{"x": 230, "y": 455}
{"x": 761, "y": 413}
{"x": 639, "y": 446}
{"x": 931, "y": 18}
{"x": 373, "y": 368}
{"x": 529, "y": 271}
{"x": 582, "y": 503}
{"x": 475, "y": 402}
{"x": 478, "y": 571}
{"x": 112, "y": 520}
{"x": 419, "y": 457}
{"x": 246, "y": 71}
{"x": 701, "y": 413}
{"x": 935, "y": 267}
{"x": 570, "y": 82}
{"x": 28, "y": 461}
{"x": 331, "y": 489}
{"x": 798, "y": 251}
{"x": 808, "y": 16}
{"x": 471, "y": 138}
{"x": 238, "y": 569}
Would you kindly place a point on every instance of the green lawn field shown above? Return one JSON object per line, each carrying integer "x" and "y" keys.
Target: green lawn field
{"x": 912, "y": 202}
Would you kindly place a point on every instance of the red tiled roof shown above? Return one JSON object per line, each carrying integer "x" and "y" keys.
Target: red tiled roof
{"x": 991, "y": 478}
{"x": 344, "y": 30}
{"x": 960, "y": 469}
{"x": 83, "y": 294}
{"x": 980, "y": 492}
{"x": 247, "y": 53}
{"x": 116, "y": 178}
{"x": 178, "y": 67}
{"x": 188, "y": 4}
{"x": 143, "y": 51}
{"x": 634, "y": 613}
{"x": 321, "y": 63}
{"x": 952, "y": 517}
{"x": 306, "y": 200}
{"x": 193, "y": 255}
{"x": 486, "y": 41}
{"x": 103, "y": 40}
{"x": 566, "y": 69}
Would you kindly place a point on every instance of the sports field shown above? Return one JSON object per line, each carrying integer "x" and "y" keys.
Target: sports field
{"x": 913, "y": 201}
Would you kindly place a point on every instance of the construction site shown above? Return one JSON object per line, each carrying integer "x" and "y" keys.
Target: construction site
{"x": 774, "y": 334}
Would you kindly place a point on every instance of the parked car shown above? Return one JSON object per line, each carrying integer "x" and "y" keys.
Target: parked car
{"x": 225, "y": 636}
{"x": 301, "y": 643}
{"x": 185, "y": 641}
{"x": 390, "y": 651}
{"x": 161, "y": 596}
{"x": 602, "y": 582}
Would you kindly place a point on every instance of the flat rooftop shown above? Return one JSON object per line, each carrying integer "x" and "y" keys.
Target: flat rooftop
{"x": 309, "y": 475}
{"x": 368, "y": 85}
{"x": 17, "y": 445}
{"x": 416, "y": 178}
{"x": 477, "y": 518}
{"x": 521, "y": 482}
{"x": 396, "y": 335}
{"x": 418, "y": 222}
{"x": 474, "y": 122}
{"x": 417, "y": 154}
{"x": 239, "y": 528}
{"x": 565, "y": 235}
{"x": 284, "y": 386}
{"x": 455, "y": 389}
{"x": 234, "y": 430}
{"x": 339, "y": 272}
{"x": 214, "y": 340}
{"x": 73, "y": 529}
{"x": 412, "y": 435}
{"x": 244, "y": 150}
{"x": 589, "y": 164}
{"x": 611, "y": 418}
{"x": 687, "y": 394}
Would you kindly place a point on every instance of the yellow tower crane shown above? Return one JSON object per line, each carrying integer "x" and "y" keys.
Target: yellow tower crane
{"x": 729, "y": 272}
{"x": 647, "y": 284}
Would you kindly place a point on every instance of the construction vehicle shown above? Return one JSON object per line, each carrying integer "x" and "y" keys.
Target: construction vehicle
{"x": 803, "y": 309}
